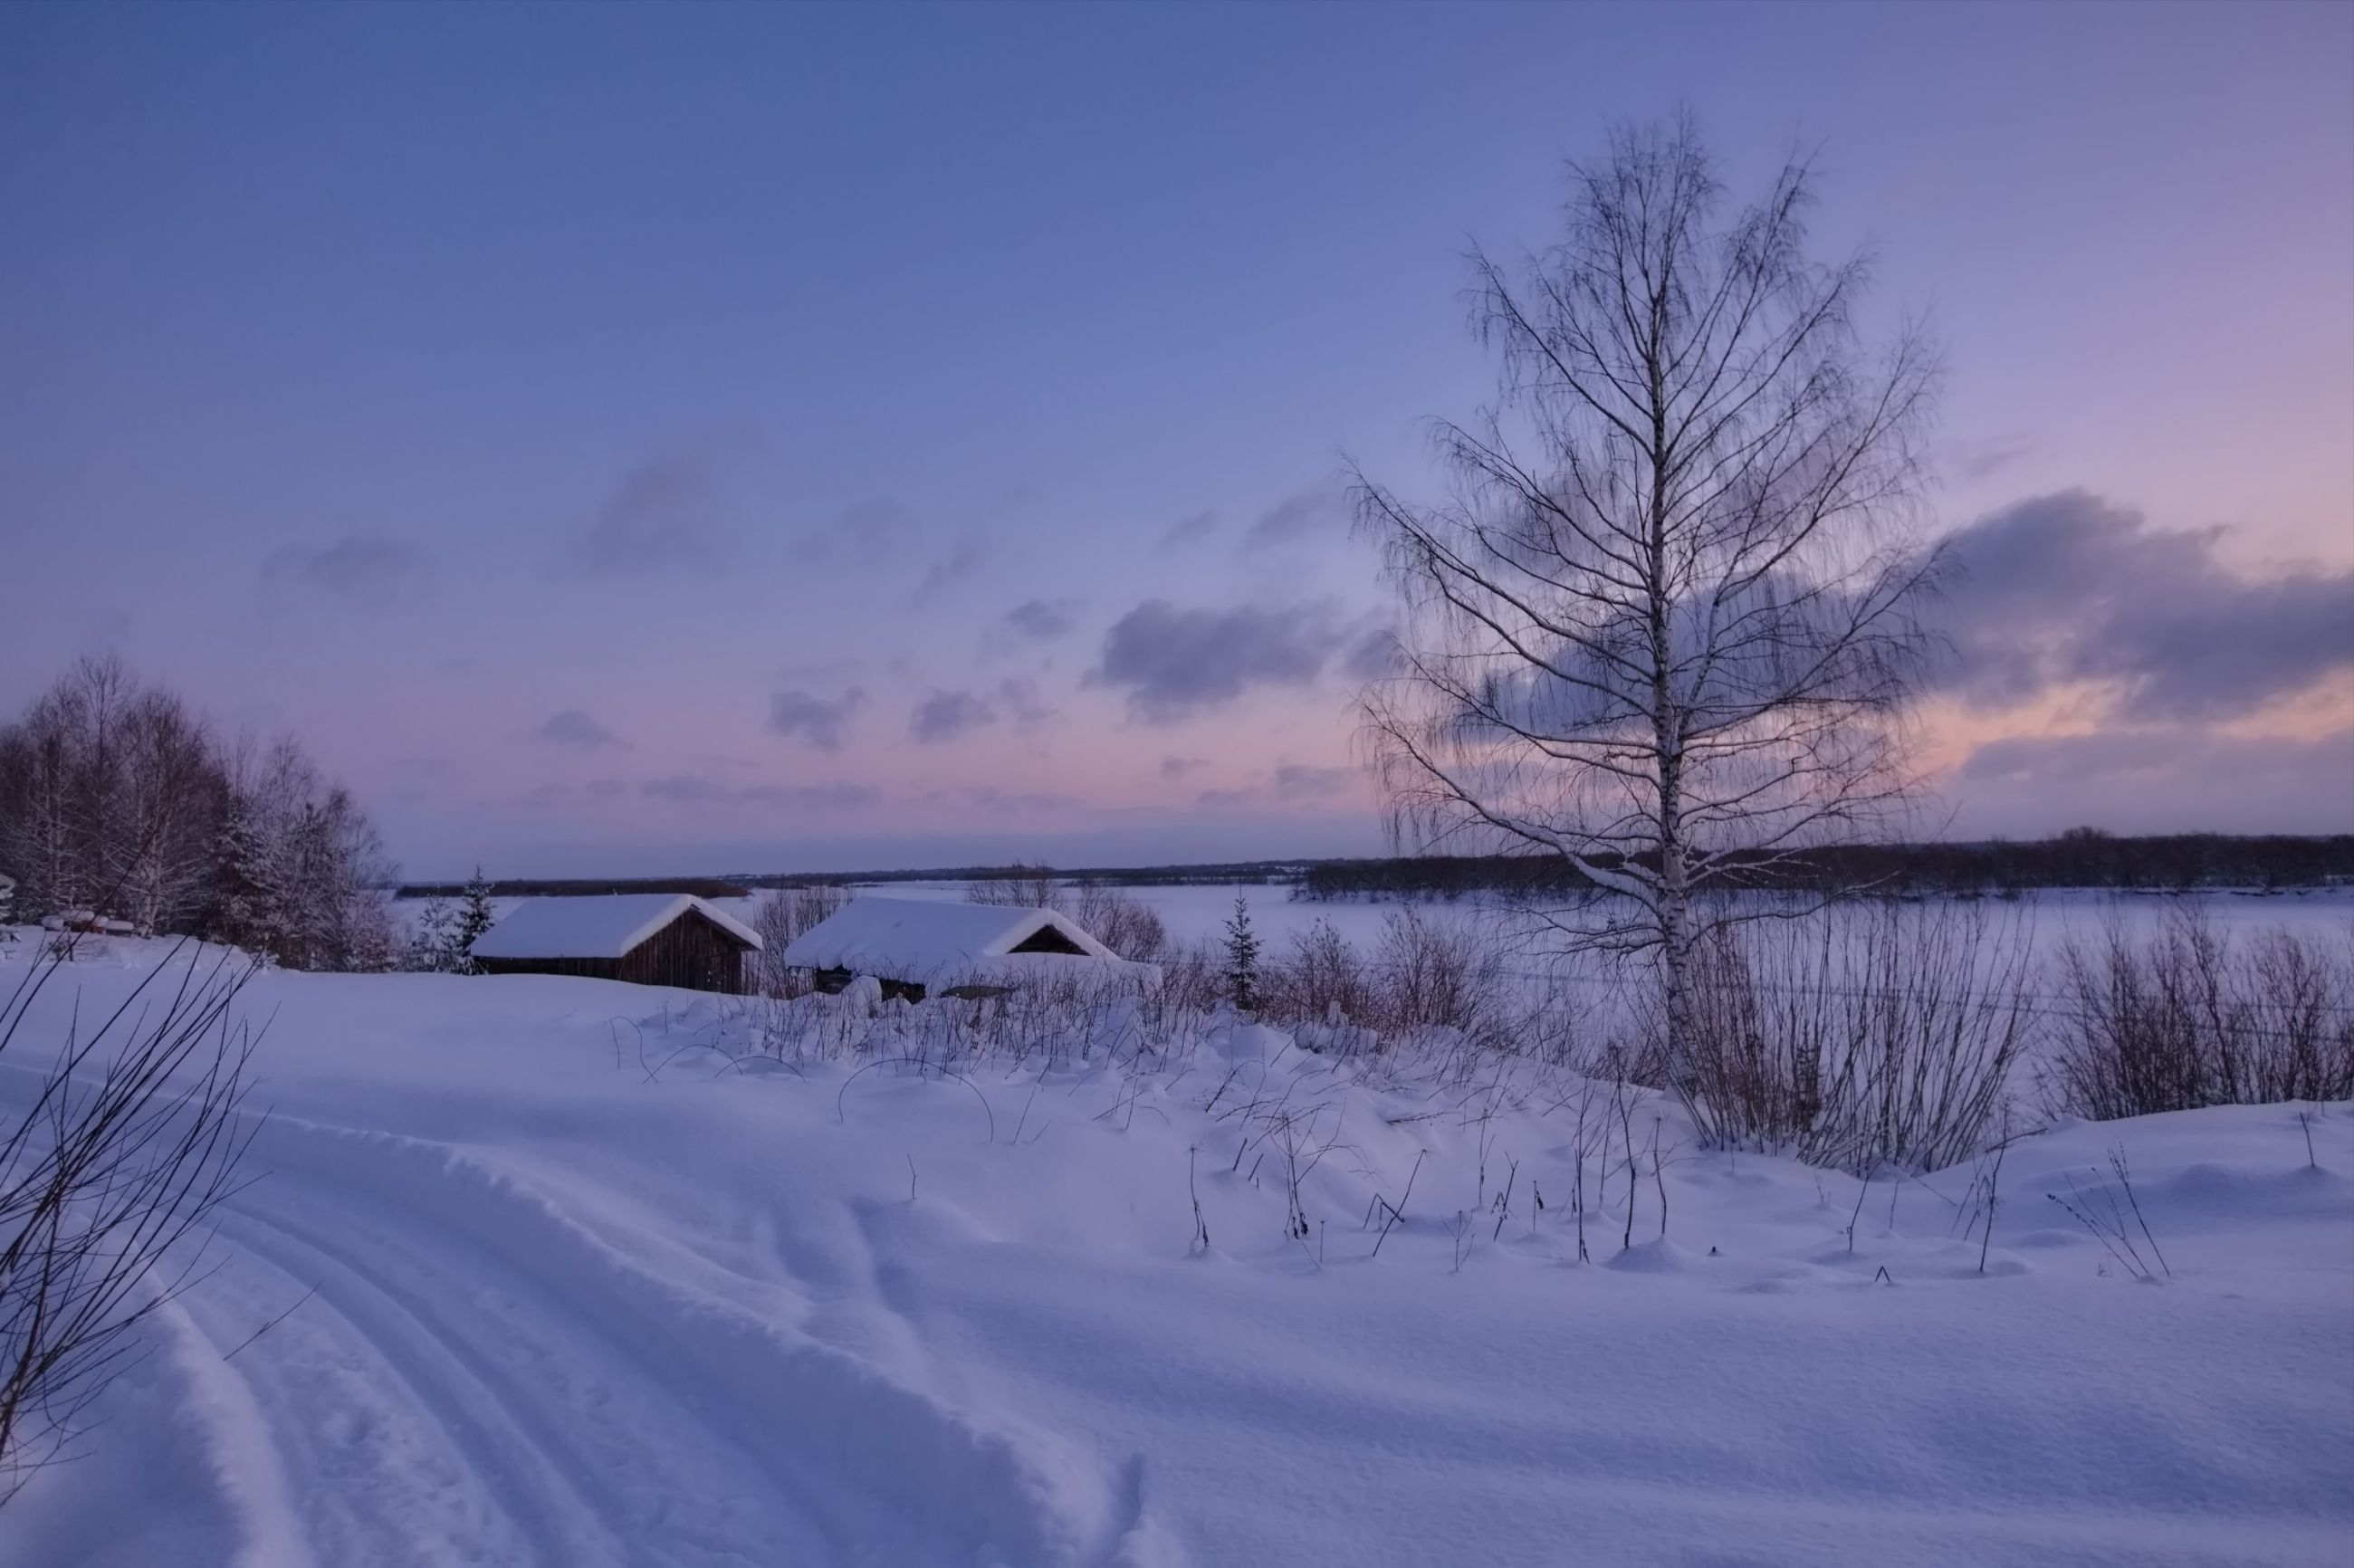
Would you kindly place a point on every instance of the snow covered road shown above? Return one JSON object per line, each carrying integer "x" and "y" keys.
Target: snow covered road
{"x": 550, "y": 1309}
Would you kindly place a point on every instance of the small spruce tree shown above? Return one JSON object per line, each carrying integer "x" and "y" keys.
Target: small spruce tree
{"x": 1242, "y": 958}
{"x": 474, "y": 918}
{"x": 429, "y": 939}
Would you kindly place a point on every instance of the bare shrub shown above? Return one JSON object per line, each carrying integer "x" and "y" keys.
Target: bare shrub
{"x": 779, "y": 920}
{"x": 1322, "y": 980}
{"x": 129, "y": 1143}
{"x": 1882, "y": 1036}
{"x": 2113, "y": 1222}
{"x": 1126, "y": 926}
{"x": 1137, "y": 1017}
{"x": 1022, "y": 886}
{"x": 2297, "y": 1021}
{"x": 2186, "y": 1017}
{"x": 1189, "y": 981}
{"x": 1441, "y": 974}
{"x": 1441, "y": 985}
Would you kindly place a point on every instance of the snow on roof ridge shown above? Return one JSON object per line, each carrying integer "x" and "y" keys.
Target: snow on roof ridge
{"x": 919, "y": 938}
{"x": 595, "y": 925}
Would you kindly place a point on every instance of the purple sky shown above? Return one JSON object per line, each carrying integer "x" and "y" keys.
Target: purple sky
{"x": 675, "y": 439}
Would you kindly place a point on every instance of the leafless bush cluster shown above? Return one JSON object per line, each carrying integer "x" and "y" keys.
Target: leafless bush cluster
{"x": 1128, "y": 926}
{"x": 2189, "y": 1016}
{"x": 1878, "y": 1035}
{"x": 115, "y": 800}
{"x": 1286, "y": 1131}
{"x": 781, "y": 919}
{"x": 1425, "y": 975}
{"x": 1143, "y": 1018}
{"x": 1021, "y": 886}
{"x": 1190, "y": 979}
{"x": 130, "y": 1139}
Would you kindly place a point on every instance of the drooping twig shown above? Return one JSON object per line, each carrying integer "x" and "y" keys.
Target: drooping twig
{"x": 271, "y": 1324}
{"x": 1993, "y": 1187}
{"x": 843, "y": 1116}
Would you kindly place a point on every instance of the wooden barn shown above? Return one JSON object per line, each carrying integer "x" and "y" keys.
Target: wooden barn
{"x": 646, "y": 939}
{"x": 912, "y": 946}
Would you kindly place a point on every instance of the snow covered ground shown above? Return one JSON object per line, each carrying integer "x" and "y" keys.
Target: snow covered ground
{"x": 586, "y": 1291}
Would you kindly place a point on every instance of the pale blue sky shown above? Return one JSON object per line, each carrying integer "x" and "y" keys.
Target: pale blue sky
{"x": 726, "y": 375}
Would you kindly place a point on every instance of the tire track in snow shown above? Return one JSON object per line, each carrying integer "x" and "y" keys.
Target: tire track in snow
{"x": 247, "y": 1468}
{"x": 885, "y": 1472}
{"x": 1130, "y": 1537}
{"x": 398, "y": 1448}
{"x": 592, "y": 1461}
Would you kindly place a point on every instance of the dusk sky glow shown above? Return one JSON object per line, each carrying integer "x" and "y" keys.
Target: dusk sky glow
{"x": 644, "y": 439}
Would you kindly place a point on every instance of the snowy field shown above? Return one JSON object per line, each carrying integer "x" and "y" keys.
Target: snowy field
{"x": 584, "y": 1291}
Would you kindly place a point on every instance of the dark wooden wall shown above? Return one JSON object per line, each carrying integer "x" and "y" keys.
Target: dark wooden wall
{"x": 689, "y": 952}
{"x": 593, "y": 968}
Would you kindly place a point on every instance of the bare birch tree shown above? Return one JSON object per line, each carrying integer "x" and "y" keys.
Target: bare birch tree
{"x": 1662, "y": 626}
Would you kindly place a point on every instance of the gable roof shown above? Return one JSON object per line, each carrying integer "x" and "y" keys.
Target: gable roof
{"x": 601, "y": 928}
{"x": 921, "y": 939}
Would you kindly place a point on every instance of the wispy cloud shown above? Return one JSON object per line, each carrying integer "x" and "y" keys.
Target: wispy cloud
{"x": 2067, "y": 588}
{"x": 2174, "y": 780}
{"x": 1319, "y": 511}
{"x": 702, "y": 789}
{"x": 945, "y": 715}
{"x": 989, "y": 799}
{"x": 877, "y": 530}
{"x": 1290, "y": 784}
{"x": 821, "y": 722}
{"x": 663, "y": 516}
{"x": 965, "y": 559}
{"x": 367, "y": 572}
{"x": 1188, "y": 530}
{"x": 1043, "y": 619}
{"x": 578, "y": 729}
{"x": 1299, "y": 781}
{"x": 1373, "y": 655}
{"x": 1972, "y": 460}
{"x": 1174, "y": 663}
{"x": 1018, "y": 695}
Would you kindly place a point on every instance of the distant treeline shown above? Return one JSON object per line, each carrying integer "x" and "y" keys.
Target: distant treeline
{"x": 2081, "y": 857}
{"x": 1271, "y": 872}
{"x": 584, "y": 887}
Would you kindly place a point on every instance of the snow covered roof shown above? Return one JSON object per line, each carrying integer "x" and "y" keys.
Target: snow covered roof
{"x": 920, "y": 939}
{"x": 601, "y": 928}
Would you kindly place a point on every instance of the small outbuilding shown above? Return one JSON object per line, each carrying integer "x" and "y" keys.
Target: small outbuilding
{"x": 913, "y": 945}
{"x": 646, "y": 939}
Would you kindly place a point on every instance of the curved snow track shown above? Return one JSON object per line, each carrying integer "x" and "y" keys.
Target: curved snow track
{"x": 479, "y": 1376}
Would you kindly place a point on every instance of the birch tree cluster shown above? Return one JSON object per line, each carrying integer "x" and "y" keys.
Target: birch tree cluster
{"x": 118, "y": 802}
